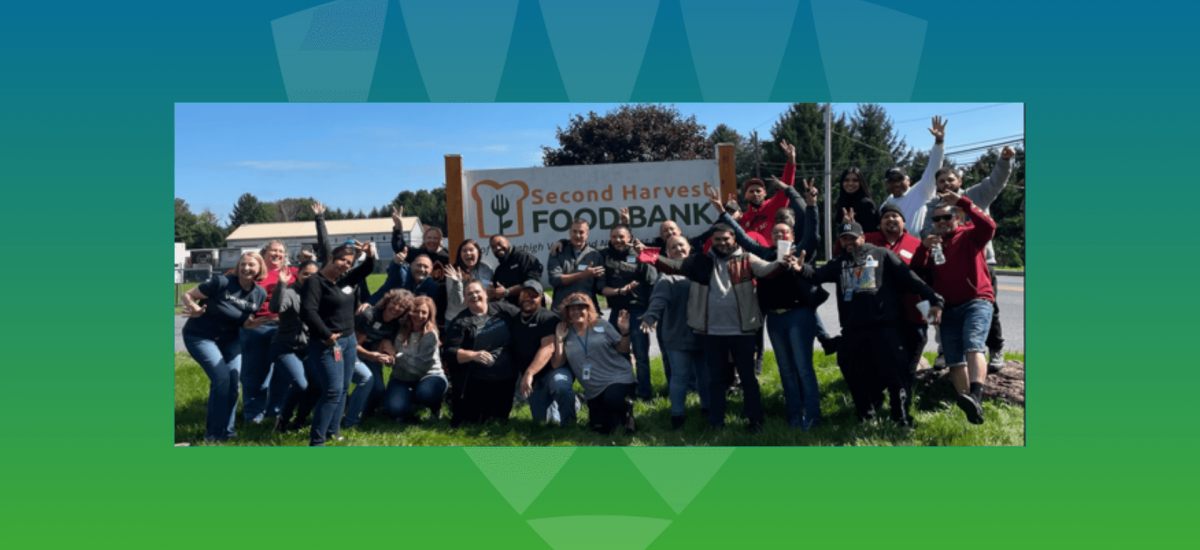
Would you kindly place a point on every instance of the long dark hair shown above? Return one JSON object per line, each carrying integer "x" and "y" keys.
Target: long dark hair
{"x": 463, "y": 271}
{"x": 862, "y": 185}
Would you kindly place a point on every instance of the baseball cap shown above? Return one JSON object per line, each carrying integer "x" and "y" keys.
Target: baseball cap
{"x": 895, "y": 174}
{"x": 534, "y": 285}
{"x": 576, "y": 300}
{"x": 851, "y": 228}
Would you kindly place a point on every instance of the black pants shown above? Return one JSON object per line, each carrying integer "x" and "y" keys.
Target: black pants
{"x": 716, "y": 350}
{"x": 873, "y": 360}
{"x": 611, "y": 409}
{"x": 477, "y": 401}
{"x": 995, "y": 338}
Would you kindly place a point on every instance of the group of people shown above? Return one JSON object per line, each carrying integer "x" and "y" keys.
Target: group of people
{"x": 472, "y": 335}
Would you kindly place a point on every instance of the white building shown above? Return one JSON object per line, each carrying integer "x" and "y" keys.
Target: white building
{"x": 303, "y": 235}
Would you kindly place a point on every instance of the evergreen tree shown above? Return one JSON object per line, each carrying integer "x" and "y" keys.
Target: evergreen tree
{"x": 248, "y": 209}
{"x": 629, "y": 133}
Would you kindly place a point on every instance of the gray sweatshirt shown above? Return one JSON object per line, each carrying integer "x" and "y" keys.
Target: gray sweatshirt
{"x": 419, "y": 359}
{"x": 983, "y": 195}
{"x": 285, "y": 303}
{"x": 455, "y": 302}
{"x": 668, "y": 307}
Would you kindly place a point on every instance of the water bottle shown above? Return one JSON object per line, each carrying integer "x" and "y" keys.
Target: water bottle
{"x": 939, "y": 258}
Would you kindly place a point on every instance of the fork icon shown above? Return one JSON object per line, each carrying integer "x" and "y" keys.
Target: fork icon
{"x": 500, "y": 207}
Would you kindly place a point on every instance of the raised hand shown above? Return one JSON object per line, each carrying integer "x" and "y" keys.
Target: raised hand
{"x": 285, "y": 278}
{"x": 561, "y": 331}
{"x": 1008, "y": 152}
{"x": 714, "y": 199}
{"x": 949, "y": 197}
{"x": 306, "y": 256}
{"x": 623, "y": 321}
{"x": 931, "y": 240}
{"x": 938, "y": 129}
{"x": 318, "y": 208}
{"x": 624, "y": 216}
{"x": 847, "y": 215}
{"x": 810, "y": 192}
{"x": 397, "y": 214}
{"x": 776, "y": 183}
{"x": 789, "y": 150}
{"x": 638, "y": 246}
{"x": 451, "y": 273}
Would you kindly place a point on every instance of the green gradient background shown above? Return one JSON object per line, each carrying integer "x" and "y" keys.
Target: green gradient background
{"x": 1111, "y": 441}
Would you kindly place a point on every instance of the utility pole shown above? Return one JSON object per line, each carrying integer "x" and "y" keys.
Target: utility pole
{"x": 828, "y": 182}
{"x": 757, "y": 154}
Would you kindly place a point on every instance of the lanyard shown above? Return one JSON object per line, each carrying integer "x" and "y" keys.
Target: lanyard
{"x": 583, "y": 341}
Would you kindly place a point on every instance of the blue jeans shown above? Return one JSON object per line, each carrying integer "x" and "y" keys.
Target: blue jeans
{"x": 333, "y": 377}
{"x": 290, "y": 376}
{"x": 640, "y": 343}
{"x": 403, "y": 397}
{"x": 221, "y": 360}
{"x": 256, "y": 370}
{"x": 554, "y": 387}
{"x": 666, "y": 357}
{"x": 965, "y": 328}
{"x": 717, "y": 349}
{"x": 369, "y": 391}
{"x": 684, "y": 368}
{"x": 792, "y": 334}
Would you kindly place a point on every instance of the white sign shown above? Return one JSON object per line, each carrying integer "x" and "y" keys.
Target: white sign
{"x": 534, "y": 207}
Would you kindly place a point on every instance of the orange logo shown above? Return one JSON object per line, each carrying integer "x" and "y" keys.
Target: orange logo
{"x": 504, "y": 205}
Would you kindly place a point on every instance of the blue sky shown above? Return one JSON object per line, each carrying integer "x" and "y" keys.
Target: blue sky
{"x": 360, "y": 155}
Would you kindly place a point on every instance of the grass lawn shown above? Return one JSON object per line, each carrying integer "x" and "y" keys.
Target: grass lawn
{"x": 936, "y": 423}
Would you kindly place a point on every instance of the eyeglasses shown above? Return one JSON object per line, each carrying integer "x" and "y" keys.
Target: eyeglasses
{"x": 943, "y": 218}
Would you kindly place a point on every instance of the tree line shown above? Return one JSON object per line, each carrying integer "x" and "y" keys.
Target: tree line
{"x": 865, "y": 138}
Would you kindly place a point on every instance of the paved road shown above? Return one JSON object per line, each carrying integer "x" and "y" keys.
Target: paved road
{"x": 1012, "y": 317}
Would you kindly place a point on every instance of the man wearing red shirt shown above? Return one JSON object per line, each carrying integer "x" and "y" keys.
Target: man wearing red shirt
{"x": 963, "y": 281}
{"x": 893, "y": 236}
{"x": 760, "y": 211}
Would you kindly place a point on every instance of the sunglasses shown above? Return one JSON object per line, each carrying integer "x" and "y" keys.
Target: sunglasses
{"x": 943, "y": 218}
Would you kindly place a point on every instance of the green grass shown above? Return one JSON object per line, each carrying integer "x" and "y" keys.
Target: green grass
{"x": 938, "y": 424}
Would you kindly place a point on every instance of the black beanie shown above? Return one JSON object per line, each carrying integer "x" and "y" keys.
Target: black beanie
{"x": 891, "y": 207}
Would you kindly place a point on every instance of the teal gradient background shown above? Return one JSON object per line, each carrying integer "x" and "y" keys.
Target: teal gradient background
{"x": 87, "y": 146}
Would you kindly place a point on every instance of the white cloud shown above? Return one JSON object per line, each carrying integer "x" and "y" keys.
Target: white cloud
{"x": 495, "y": 148}
{"x": 291, "y": 165}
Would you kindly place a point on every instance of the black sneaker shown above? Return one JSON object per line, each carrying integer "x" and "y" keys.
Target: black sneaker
{"x": 677, "y": 422}
{"x": 940, "y": 361}
{"x": 970, "y": 406}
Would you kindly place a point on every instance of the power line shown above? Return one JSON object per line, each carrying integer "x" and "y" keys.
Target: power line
{"x": 954, "y": 113}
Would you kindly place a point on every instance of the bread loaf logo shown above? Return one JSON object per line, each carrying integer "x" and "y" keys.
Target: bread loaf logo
{"x": 500, "y": 208}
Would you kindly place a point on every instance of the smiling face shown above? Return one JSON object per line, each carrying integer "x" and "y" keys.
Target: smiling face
{"x": 851, "y": 184}
{"x": 897, "y": 187}
{"x": 395, "y": 309}
{"x": 668, "y": 229}
{"x": 944, "y": 220}
{"x": 781, "y": 233}
{"x": 530, "y": 300}
{"x": 275, "y": 254}
{"x": 475, "y": 297}
{"x": 678, "y": 247}
{"x": 468, "y": 254}
{"x": 948, "y": 181}
{"x": 305, "y": 273}
{"x": 500, "y": 247}
{"x": 248, "y": 268}
{"x": 577, "y": 315}
{"x": 579, "y": 235}
{"x": 422, "y": 267}
{"x": 850, "y": 243}
{"x": 722, "y": 241}
{"x": 432, "y": 239}
{"x": 619, "y": 239}
{"x": 418, "y": 316}
{"x": 892, "y": 224}
{"x": 340, "y": 265}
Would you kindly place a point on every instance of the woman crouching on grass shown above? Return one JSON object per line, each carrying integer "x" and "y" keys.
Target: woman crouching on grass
{"x": 327, "y": 309}
{"x": 375, "y": 329}
{"x": 599, "y": 357}
{"x": 211, "y": 336}
{"x": 417, "y": 377}
{"x": 289, "y": 344}
{"x": 483, "y": 373}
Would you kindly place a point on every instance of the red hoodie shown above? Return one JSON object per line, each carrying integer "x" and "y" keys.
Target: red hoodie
{"x": 905, "y": 248}
{"x": 964, "y": 276}
{"x": 761, "y": 219}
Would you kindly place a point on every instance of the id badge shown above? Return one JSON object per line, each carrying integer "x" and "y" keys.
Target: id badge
{"x": 337, "y": 352}
{"x": 587, "y": 370}
{"x": 631, "y": 259}
{"x": 849, "y": 294}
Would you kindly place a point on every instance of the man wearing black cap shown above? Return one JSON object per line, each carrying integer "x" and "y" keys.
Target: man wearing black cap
{"x": 531, "y": 344}
{"x": 869, "y": 281}
{"x": 912, "y": 200}
{"x": 893, "y": 236}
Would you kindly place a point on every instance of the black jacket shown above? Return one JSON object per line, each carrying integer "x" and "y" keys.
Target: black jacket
{"x": 865, "y": 211}
{"x": 873, "y": 279}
